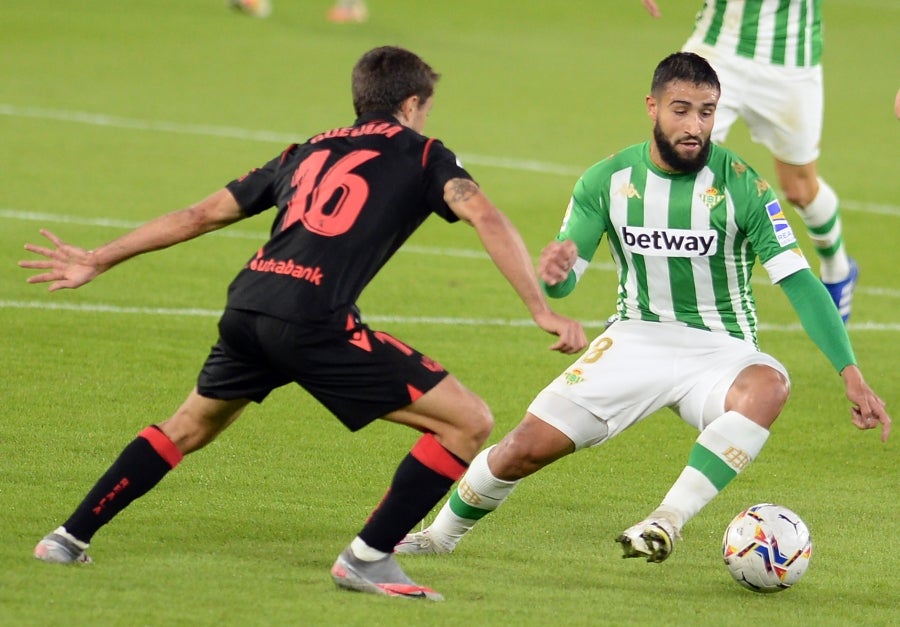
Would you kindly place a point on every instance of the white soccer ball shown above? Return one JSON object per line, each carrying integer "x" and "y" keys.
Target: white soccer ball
{"x": 767, "y": 548}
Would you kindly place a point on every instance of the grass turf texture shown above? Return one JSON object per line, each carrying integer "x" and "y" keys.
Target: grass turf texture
{"x": 115, "y": 112}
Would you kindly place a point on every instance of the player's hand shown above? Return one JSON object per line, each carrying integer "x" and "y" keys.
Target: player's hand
{"x": 867, "y": 410}
{"x": 67, "y": 266}
{"x": 570, "y": 332}
{"x": 557, "y": 259}
{"x": 651, "y": 7}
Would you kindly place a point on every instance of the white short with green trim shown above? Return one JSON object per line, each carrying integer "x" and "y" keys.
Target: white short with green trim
{"x": 636, "y": 368}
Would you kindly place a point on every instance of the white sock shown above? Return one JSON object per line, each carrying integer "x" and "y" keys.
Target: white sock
{"x": 477, "y": 494}
{"x": 822, "y": 218}
{"x": 68, "y": 536}
{"x": 364, "y": 552}
{"x": 721, "y": 451}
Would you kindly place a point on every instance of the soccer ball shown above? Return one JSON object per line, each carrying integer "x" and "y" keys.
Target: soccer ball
{"x": 767, "y": 548}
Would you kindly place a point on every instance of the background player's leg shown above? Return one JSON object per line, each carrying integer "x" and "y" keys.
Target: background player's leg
{"x": 140, "y": 466}
{"x": 819, "y": 208}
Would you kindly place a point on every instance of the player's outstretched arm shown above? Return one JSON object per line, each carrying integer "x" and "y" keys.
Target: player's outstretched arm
{"x": 68, "y": 267}
{"x": 504, "y": 244}
{"x": 867, "y": 410}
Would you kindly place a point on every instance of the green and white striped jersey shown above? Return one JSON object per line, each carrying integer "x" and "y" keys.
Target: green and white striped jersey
{"x": 780, "y": 32}
{"x": 684, "y": 244}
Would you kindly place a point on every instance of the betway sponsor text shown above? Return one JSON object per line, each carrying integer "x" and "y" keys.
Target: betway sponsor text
{"x": 669, "y": 242}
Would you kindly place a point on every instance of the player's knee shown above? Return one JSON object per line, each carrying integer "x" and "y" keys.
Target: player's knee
{"x": 776, "y": 386}
{"x": 526, "y": 449}
{"x": 760, "y": 393}
{"x": 480, "y": 422}
{"x": 187, "y": 432}
{"x": 800, "y": 191}
{"x": 798, "y": 196}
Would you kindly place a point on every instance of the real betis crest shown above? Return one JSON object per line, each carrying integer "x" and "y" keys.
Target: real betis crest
{"x": 573, "y": 376}
{"x": 711, "y": 197}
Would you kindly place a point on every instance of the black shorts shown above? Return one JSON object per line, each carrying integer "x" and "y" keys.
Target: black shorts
{"x": 358, "y": 374}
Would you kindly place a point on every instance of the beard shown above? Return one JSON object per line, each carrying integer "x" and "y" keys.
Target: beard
{"x": 678, "y": 163}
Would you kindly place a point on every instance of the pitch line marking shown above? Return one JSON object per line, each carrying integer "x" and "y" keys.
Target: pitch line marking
{"x": 13, "y": 214}
{"x": 231, "y": 132}
{"x": 371, "y": 318}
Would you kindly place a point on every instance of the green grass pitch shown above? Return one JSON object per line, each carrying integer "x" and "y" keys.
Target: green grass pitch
{"x": 113, "y": 112}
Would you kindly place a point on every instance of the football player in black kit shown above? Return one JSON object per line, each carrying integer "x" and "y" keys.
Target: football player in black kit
{"x": 347, "y": 199}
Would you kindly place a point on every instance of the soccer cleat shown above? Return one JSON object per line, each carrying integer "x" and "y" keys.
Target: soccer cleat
{"x": 842, "y": 291}
{"x": 421, "y": 543}
{"x": 58, "y": 549}
{"x": 383, "y": 576}
{"x": 256, "y": 8}
{"x": 653, "y": 538}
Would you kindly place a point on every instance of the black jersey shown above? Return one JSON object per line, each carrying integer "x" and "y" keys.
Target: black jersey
{"x": 347, "y": 199}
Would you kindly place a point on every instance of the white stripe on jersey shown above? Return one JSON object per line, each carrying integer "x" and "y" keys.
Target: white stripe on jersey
{"x": 703, "y": 280}
{"x": 765, "y": 25}
{"x": 656, "y": 214}
{"x": 733, "y": 263}
{"x": 618, "y": 214}
{"x": 795, "y": 28}
{"x": 763, "y": 34}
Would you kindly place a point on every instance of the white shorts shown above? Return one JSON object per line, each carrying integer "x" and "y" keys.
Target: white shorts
{"x": 634, "y": 369}
{"x": 782, "y": 106}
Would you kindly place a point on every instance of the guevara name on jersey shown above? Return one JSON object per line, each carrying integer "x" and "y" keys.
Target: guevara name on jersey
{"x": 684, "y": 244}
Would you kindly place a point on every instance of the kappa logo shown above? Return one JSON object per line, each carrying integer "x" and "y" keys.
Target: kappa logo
{"x": 762, "y": 186}
{"x": 628, "y": 190}
{"x": 739, "y": 168}
{"x": 780, "y": 225}
{"x": 670, "y": 242}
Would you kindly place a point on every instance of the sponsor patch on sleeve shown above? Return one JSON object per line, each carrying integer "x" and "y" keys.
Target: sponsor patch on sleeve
{"x": 783, "y": 232}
